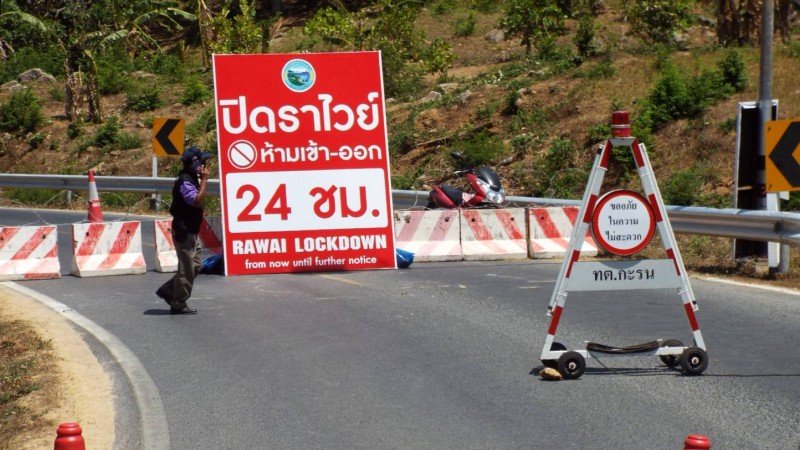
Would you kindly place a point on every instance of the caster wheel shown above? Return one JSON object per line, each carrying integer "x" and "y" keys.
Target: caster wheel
{"x": 571, "y": 365}
{"x": 670, "y": 360}
{"x": 551, "y": 363}
{"x": 694, "y": 361}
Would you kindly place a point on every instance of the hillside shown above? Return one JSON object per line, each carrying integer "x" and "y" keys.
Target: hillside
{"x": 546, "y": 112}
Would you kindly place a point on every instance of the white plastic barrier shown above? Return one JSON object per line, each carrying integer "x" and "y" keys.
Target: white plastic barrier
{"x": 431, "y": 235}
{"x": 493, "y": 234}
{"x": 166, "y": 258}
{"x": 29, "y": 253}
{"x": 549, "y": 230}
{"x": 107, "y": 248}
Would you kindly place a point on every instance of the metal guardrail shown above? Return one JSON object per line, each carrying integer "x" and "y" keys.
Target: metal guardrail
{"x": 783, "y": 227}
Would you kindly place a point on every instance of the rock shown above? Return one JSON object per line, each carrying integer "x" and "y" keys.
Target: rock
{"x": 448, "y": 88}
{"x": 706, "y": 21}
{"x": 464, "y": 96}
{"x": 391, "y": 101}
{"x": 432, "y": 97}
{"x": 142, "y": 75}
{"x": 681, "y": 40}
{"x": 548, "y": 373}
{"x": 8, "y": 86}
{"x": 98, "y": 169}
{"x": 17, "y": 88}
{"x": 502, "y": 57}
{"x": 495, "y": 36}
{"x": 32, "y": 75}
{"x": 598, "y": 7}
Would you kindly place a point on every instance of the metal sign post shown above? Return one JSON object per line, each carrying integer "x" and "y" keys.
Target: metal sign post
{"x": 622, "y": 223}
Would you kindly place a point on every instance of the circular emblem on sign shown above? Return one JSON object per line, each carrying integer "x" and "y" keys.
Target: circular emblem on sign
{"x": 298, "y": 75}
{"x": 622, "y": 222}
{"x": 242, "y": 154}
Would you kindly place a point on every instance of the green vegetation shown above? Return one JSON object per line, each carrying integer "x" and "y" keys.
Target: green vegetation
{"x": 22, "y": 113}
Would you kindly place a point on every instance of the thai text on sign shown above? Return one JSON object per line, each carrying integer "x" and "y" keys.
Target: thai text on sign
{"x": 622, "y": 222}
{"x": 304, "y": 164}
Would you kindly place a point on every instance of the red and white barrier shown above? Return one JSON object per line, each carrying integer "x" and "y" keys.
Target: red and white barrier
{"x": 29, "y": 253}
{"x": 108, "y": 248}
{"x": 432, "y": 235}
{"x": 167, "y": 259}
{"x": 492, "y": 234}
{"x": 549, "y": 230}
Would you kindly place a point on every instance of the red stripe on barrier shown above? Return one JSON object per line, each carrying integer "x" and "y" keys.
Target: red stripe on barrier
{"x": 690, "y": 315}
{"x": 587, "y": 216}
{"x": 554, "y": 320}
{"x": 439, "y": 232}
{"x": 89, "y": 242}
{"x": 655, "y": 208}
{"x": 637, "y": 154}
{"x": 575, "y": 255}
{"x": 33, "y": 243}
{"x": 547, "y": 225}
{"x": 6, "y": 234}
{"x": 571, "y": 213}
{"x": 509, "y": 224}
{"x": 407, "y": 231}
{"x": 671, "y": 255}
{"x": 477, "y": 226}
{"x": 605, "y": 155}
{"x": 120, "y": 245}
{"x": 210, "y": 240}
{"x": 165, "y": 226}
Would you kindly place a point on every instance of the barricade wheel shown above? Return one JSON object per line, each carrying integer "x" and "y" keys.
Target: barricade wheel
{"x": 571, "y": 365}
{"x": 555, "y": 346}
{"x": 670, "y": 360}
{"x": 694, "y": 361}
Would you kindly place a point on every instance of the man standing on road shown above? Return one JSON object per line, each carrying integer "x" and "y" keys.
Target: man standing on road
{"x": 188, "y": 194}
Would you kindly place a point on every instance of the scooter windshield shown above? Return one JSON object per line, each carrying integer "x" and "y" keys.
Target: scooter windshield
{"x": 488, "y": 175}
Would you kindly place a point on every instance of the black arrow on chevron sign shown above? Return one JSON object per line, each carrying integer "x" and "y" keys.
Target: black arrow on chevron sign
{"x": 782, "y": 154}
{"x": 162, "y": 137}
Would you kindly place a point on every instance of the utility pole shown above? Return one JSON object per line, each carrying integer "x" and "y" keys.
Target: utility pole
{"x": 765, "y": 110}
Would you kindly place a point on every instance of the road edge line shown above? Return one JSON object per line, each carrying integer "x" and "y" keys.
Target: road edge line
{"x": 782, "y": 290}
{"x": 155, "y": 430}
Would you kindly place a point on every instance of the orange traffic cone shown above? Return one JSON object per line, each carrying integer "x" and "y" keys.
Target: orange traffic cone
{"x": 95, "y": 214}
{"x": 68, "y": 437}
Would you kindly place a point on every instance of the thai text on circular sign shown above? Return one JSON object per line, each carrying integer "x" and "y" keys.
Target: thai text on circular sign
{"x": 623, "y": 222}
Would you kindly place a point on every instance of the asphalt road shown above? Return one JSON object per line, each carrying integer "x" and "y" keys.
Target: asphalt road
{"x": 445, "y": 355}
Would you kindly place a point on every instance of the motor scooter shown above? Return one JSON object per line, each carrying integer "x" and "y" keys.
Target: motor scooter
{"x": 484, "y": 181}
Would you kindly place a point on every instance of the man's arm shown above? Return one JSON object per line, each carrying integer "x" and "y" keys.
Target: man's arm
{"x": 201, "y": 194}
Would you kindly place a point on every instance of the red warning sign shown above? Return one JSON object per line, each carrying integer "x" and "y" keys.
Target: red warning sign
{"x": 622, "y": 222}
{"x": 304, "y": 164}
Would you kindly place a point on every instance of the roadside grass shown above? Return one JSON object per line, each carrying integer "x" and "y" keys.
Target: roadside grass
{"x": 27, "y": 381}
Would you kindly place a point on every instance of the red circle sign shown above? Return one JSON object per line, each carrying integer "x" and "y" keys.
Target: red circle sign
{"x": 623, "y": 222}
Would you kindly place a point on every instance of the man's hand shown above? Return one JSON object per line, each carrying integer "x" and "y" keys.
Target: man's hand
{"x": 205, "y": 171}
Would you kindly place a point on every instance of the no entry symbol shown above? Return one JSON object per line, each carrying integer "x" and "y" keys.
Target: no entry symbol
{"x": 242, "y": 154}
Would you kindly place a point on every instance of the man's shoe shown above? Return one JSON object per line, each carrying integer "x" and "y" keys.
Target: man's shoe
{"x": 185, "y": 310}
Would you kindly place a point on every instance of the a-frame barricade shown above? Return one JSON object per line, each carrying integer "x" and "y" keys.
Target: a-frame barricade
{"x": 622, "y": 223}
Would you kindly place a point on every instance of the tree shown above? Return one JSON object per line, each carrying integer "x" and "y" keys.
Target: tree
{"x": 534, "y": 20}
{"x": 739, "y": 21}
{"x": 656, "y": 21}
{"x": 83, "y": 28}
